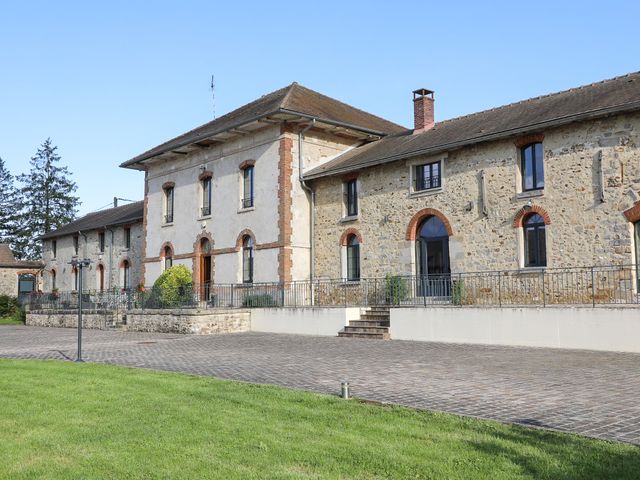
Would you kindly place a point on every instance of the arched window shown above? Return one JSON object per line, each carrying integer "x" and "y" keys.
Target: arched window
{"x": 535, "y": 244}
{"x": 53, "y": 280}
{"x": 75, "y": 279}
{"x": 126, "y": 274}
{"x": 353, "y": 258}
{"x": 532, "y": 167}
{"x": 247, "y": 259}
{"x": 100, "y": 274}
{"x": 168, "y": 257}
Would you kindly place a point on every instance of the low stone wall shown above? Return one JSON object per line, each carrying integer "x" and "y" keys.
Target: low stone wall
{"x": 96, "y": 320}
{"x": 194, "y": 322}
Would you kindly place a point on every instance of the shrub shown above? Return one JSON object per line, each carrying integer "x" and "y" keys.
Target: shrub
{"x": 174, "y": 288}
{"x": 395, "y": 289}
{"x": 9, "y": 306}
{"x": 458, "y": 292}
{"x": 259, "y": 300}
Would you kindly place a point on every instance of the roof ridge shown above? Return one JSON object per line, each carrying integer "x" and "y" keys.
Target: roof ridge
{"x": 531, "y": 99}
{"x": 348, "y": 105}
{"x": 289, "y": 88}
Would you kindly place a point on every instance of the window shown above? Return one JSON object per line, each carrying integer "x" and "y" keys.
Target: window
{"x": 168, "y": 205}
{"x": 535, "y": 248}
{"x": 532, "y": 167}
{"x": 353, "y": 258}
{"x": 53, "y": 280}
{"x": 351, "y": 197}
{"x": 54, "y": 248}
{"x": 76, "y": 244}
{"x": 168, "y": 258}
{"x": 127, "y": 238}
{"x": 247, "y": 259}
{"x": 101, "y": 242}
{"x": 247, "y": 186}
{"x": 100, "y": 272}
{"x": 206, "y": 197}
{"x": 126, "y": 277}
{"x": 427, "y": 176}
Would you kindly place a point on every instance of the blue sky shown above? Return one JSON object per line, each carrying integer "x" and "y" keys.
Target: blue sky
{"x": 106, "y": 81}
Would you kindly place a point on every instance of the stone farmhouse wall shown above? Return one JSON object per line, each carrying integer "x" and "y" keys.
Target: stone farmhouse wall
{"x": 115, "y": 253}
{"x": 8, "y": 281}
{"x": 582, "y": 229}
{"x": 279, "y": 221}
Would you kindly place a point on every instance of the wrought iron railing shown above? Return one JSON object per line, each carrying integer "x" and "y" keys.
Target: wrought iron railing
{"x": 594, "y": 286}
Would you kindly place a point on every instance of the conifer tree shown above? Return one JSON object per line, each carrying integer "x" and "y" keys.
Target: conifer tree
{"x": 9, "y": 205}
{"x": 47, "y": 200}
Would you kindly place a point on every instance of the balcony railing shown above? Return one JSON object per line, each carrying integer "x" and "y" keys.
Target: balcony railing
{"x": 589, "y": 286}
{"x": 247, "y": 202}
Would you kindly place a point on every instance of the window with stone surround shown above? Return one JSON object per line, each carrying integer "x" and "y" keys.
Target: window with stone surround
{"x": 247, "y": 200}
{"x": 54, "y": 248}
{"x": 532, "y": 167}
{"x": 127, "y": 238}
{"x": 247, "y": 259}
{"x": 168, "y": 257}
{"x": 168, "y": 204}
{"x": 353, "y": 258}
{"x": 206, "y": 196}
{"x": 535, "y": 245}
{"x": 53, "y": 280}
{"x": 126, "y": 274}
{"x": 350, "y": 189}
{"x": 101, "y": 242}
{"x": 427, "y": 176}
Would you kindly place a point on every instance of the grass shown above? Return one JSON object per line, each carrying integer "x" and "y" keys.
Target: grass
{"x": 66, "y": 420}
{"x": 15, "y": 320}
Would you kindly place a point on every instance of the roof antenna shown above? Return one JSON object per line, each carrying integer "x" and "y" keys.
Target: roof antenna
{"x": 213, "y": 94}
{"x": 115, "y": 201}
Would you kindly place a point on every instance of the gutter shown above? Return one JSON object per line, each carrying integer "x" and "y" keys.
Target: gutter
{"x": 312, "y": 196}
{"x": 558, "y": 121}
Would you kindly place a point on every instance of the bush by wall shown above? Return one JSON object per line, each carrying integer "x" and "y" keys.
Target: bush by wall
{"x": 174, "y": 288}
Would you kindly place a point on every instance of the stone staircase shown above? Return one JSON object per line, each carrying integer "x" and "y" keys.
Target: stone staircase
{"x": 374, "y": 323}
{"x": 116, "y": 323}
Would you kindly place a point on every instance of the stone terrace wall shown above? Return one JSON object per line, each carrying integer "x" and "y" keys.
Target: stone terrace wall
{"x": 69, "y": 319}
{"x": 198, "y": 322}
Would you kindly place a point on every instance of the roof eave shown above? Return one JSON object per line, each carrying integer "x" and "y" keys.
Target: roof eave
{"x": 559, "y": 121}
{"x": 137, "y": 163}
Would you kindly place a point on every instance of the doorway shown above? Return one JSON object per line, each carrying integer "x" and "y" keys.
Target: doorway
{"x": 636, "y": 229}
{"x": 432, "y": 259}
{"x": 205, "y": 268}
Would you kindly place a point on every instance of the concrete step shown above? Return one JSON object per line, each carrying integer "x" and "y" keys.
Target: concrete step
{"x": 372, "y": 336}
{"x": 360, "y": 329}
{"x": 374, "y": 317}
{"x": 369, "y": 323}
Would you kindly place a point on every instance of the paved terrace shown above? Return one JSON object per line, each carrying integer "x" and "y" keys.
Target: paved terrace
{"x": 592, "y": 393}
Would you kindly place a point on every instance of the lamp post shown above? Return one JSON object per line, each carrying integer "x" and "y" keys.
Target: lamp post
{"x": 79, "y": 264}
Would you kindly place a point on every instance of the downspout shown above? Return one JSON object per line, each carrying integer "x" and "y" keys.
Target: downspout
{"x": 312, "y": 195}
{"x": 110, "y": 257}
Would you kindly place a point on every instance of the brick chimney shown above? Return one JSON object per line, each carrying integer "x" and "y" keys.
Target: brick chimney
{"x": 423, "y": 119}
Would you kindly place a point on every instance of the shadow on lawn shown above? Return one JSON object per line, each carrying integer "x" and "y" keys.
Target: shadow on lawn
{"x": 591, "y": 459}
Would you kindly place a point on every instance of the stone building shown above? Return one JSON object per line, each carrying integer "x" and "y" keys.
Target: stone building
{"x": 112, "y": 239}
{"x": 552, "y": 181}
{"x": 227, "y": 200}
{"x": 18, "y": 276}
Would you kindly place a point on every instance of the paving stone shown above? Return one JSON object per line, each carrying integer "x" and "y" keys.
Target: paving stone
{"x": 585, "y": 392}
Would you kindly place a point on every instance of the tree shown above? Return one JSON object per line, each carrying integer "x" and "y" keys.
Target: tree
{"x": 9, "y": 206}
{"x": 47, "y": 200}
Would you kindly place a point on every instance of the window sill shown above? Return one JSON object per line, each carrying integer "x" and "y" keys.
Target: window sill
{"x": 205, "y": 217}
{"x": 351, "y": 218}
{"x": 351, "y": 283}
{"x": 530, "y": 194}
{"x": 167, "y": 225}
{"x": 245, "y": 210}
{"x": 525, "y": 270}
{"x": 425, "y": 193}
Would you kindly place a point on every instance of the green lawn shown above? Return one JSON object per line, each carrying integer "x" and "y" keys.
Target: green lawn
{"x": 10, "y": 321}
{"x": 66, "y": 420}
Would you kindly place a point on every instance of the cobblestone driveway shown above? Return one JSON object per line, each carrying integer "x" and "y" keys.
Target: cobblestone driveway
{"x": 591, "y": 393}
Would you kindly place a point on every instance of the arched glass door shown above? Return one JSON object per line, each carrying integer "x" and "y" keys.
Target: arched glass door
{"x": 432, "y": 259}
